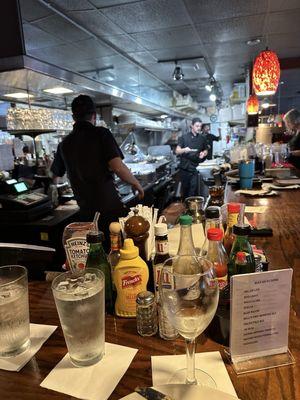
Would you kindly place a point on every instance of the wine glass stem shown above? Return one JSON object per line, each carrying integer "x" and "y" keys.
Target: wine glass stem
{"x": 190, "y": 362}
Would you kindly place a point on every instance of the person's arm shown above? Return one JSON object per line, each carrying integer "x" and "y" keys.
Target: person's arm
{"x": 58, "y": 167}
{"x": 179, "y": 150}
{"x": 123, "y": 172}
{"x": 295, "y": 153}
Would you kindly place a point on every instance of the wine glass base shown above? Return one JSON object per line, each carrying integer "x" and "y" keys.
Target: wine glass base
{"x": 202, "y": 378}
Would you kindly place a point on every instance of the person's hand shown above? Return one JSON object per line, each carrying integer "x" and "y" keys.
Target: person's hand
{"x": 187, "y": 149}
{"x": 203, "y": 154}
{"x": 138, "y": 188}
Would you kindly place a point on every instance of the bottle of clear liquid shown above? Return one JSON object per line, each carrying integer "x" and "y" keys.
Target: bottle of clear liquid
{"x": 213, "y": 220}
{"x": 97, "y": 259}
{"x": 217, "y": 255}
{"x": 186, "y": 243}
{"x": 166, "y": 330}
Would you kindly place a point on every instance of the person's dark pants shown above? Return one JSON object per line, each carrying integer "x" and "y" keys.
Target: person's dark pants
{"x": 189, "y": 183}
{"x": 103, "y": 223}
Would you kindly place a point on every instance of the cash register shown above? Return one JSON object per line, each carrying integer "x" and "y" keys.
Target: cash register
{"x": 19, "y": 203}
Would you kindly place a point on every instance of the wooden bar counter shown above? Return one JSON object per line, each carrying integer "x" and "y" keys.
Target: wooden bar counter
{"x": 283, "y": 250}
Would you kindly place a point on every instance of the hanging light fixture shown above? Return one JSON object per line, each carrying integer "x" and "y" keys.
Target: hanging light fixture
{"x": 177, "y": 74}
{"x": 266, "y": 73}
{"x": 265, "y": 103}
{"x": 252, "y": 105}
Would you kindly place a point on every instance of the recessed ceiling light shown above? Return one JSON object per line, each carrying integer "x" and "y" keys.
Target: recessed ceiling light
{"x": 208, "y": 88}
{"x": 212, "y": 97}
{"x": 265, "y": 103}
{"x": 163, "y": 116}
{"x": 58, "y": 90}
{"x": 253, "y": 42}
{"x": 18, "y": 95}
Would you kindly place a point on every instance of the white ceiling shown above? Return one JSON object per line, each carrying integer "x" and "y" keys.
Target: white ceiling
{"x": 130, "y": 37}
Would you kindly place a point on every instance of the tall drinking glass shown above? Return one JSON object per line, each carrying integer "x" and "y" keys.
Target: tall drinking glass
{"x": 79, "y": 299}
{"x": 189, "y": 294}
{"x": 14, "y": 310}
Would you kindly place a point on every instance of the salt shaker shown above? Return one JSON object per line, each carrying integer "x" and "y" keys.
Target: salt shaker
{"x": 146, "y": 314}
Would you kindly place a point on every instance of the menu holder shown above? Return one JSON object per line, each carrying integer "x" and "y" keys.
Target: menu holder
{"x": 259, "y": 320}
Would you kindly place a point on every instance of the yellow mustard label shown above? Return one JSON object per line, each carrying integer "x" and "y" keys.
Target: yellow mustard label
{"x": 232, "y": 219}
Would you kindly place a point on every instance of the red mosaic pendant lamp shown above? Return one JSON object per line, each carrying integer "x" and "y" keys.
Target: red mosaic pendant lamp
{"x": 252, "y": 105}
{"x": 266, "y": 73}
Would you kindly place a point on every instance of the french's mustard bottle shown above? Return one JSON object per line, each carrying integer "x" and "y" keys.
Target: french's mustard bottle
{"x": 130, "y": 277}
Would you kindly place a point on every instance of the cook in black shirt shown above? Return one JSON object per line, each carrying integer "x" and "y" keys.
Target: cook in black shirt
{"x": 90, "y": 155}
{"x": 210, "y": 138}
{"x": 292, "y": 122}
{"x": 192, "y": 150}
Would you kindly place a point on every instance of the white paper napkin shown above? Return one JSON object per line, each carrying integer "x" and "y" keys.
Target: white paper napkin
{"x": 95, "y": 382}
{"x": 210, "y": 362}
{"x": 38, "y": 336}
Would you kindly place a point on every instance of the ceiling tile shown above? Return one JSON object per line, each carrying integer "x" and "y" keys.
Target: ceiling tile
{"x": 148, "y": 15}
{"x": 143, "y": 57}
{"x": 35, "y": 38}
{"x": 110, "y": 3}
{"x": 95, "y": 22}
{"x": 212, "y": 10}
{"x": 162, "y": 39}
{"x": 233, "y": 48}
{"x": 32, "y": 10}
{"x": 231, "y": 29}
{"x": 280, "y": 5}
{"x": 58, "y": 27}
{"x": 71, "y": 5}
{"x": 284, "y": 22}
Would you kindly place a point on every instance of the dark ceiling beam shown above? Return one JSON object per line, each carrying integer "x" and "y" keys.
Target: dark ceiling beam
{"x": 289, "y": 63}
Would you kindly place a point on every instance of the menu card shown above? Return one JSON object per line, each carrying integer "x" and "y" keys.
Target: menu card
{"x": 259, "y": 314}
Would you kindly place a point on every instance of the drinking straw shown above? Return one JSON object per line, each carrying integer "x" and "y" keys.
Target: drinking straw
{"x": 96, "y": 218}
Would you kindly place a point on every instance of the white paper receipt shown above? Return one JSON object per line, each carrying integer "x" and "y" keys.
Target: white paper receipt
{"x": 259, "y": 314}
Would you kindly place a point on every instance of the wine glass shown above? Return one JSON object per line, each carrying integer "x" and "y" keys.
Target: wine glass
{"x": 189, "y": 294}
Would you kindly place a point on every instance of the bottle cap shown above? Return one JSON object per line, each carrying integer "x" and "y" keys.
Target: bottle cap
{"x": 233, "y": 207}
{"x": 241, "y": 230}
{"x": 214, "y": 234}
{"x": 94, "y": 237}
{"x": 129, "y": 250}
{"x": 115, "y": 228}
{"x": 185, "y": 220}
{"x": 160, "y": 229}
{"x": 145, "y": 298}
{"x": 212, "y": 212}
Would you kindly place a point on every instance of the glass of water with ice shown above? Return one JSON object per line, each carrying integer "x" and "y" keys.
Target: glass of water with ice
{"x": 79, "y": 299}
{"x": 14, "y": 310}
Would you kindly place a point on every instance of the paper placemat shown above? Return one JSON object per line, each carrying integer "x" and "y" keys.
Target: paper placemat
{"x": 95, "y": 382}
{"x": 38, "y": 336}
{"x": 210, "y": 362}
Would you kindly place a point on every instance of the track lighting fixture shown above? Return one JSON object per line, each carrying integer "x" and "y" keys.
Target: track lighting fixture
{"x": 177, "y": 74}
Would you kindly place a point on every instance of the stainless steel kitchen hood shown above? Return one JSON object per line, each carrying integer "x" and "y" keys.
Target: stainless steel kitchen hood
{"x": 29, "y": 74}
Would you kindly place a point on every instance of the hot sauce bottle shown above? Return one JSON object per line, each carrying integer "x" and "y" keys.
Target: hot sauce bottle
{"x": 217, "y": 255}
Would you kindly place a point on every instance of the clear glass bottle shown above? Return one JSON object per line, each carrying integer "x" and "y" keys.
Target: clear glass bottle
{"x": 186, "y": 243}
{"x": 97, "y": 259}
{"x": 217, "y": 255}
{"x": 241, "y": 259}
{"x": 233, "y": 210}
{"x": 166, "y": 330}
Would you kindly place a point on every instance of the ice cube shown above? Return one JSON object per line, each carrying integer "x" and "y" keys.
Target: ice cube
{"x": 63, "y": 286}
{"x": 81, "y": 291}
{"x": 88, "y": 277}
